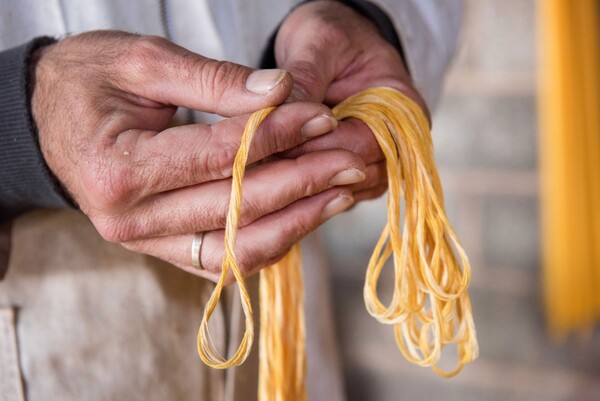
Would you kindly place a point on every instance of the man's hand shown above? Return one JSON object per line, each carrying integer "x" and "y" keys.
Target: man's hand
{"x": 103, "y": 101}
{"x": 332, "y": 52}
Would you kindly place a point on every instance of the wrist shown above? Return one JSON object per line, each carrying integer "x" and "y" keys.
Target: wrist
{"x": 35, "y": 103}
{"x": 32, "y": 64}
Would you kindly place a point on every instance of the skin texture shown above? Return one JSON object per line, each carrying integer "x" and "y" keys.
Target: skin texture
{"x": 103, "y": 102}
{"x": 332, "y": 52}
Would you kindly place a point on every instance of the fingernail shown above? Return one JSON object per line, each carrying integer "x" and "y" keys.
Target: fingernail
{"x": 348, "y": 176}
{"x": 264, "y": 81}
{"x": 318, "y": 126}
{"x": 337, "y": 206}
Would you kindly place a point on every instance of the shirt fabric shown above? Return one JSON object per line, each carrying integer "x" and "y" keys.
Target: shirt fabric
{"x": 84, "y": 319}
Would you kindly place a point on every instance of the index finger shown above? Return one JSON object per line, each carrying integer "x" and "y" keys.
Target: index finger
{"x": 147, "y": 163}
{"x": 350, "y": 134}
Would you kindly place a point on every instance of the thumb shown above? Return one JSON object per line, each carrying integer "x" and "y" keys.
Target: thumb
{"x": 313, "y": 50}
{"x": 169, "y": 74}
{"x": 309, "y": 62}
{"x": 311, "y": 77}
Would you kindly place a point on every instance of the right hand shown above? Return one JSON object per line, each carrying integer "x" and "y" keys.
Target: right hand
{"x": 333, "y": 52}
{"x": 102, "y": 103}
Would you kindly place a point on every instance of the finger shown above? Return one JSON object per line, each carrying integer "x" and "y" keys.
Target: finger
{"x": 266, "y": 188}
{"x": 264, "y": 240}
{"x": 390, "y": 72}
{"x": 350, "y": 134}
{"x": 375, "y": 176}
{"x": 149, "y": 163}
{"x": 371, "y": 193}
{"x": 159, "y": 70}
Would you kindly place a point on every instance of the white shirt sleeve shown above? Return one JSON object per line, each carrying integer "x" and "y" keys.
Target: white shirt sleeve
{"x": 428, "y": 31}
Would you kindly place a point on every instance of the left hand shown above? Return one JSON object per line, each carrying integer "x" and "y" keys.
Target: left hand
{"x": 332, "y": 52}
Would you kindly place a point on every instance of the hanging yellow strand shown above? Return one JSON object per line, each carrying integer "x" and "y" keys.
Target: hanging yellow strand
{"x": 282, "y": 359}
{"x": 282, "y": 354}
{"x": 430, "y": 306}
{"x": 569, "y": 117}
{"x": 206, "y": 349}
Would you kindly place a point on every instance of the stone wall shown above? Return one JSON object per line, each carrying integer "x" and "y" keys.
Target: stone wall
{"x": 486, "y": 148}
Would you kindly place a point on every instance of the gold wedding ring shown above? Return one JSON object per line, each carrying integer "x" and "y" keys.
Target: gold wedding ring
{"x": 196, "y": 249}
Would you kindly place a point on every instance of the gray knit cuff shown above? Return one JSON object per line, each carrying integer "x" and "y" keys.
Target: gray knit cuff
{"x": 26, "y": 182}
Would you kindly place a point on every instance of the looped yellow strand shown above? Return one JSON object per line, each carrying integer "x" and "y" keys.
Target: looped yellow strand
{"x": 206, "y": 348}
{"x": 430, "y": 306}
{"x": 282, "y": 359}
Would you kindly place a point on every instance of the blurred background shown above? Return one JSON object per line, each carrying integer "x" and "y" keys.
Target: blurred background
{"x": 485, "y": 138}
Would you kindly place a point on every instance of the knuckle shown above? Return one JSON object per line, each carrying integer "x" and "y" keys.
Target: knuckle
{"x": 251, "y": 210}
{"x": 144, "y": 54}
{"x": 215, "y": 78}
{"x": 213, "y": 215}
{"x": 254, "y": 208}
{"x": 305, "y": 73}
{"x": 335, "y": 33}
{"x": 275, "y": 136}
{"x": 149, "y": 46}
{"x": 223, "y": 162}
{"x": 219, "y": 159}
{"x": 297, "y": 227}
{"x": 283, "y": 135}
{"x": 114, "y": 229}
{"x": 309, "y": 186}
{"x": 105, "y": 186}
{"x": 251, "y": 259}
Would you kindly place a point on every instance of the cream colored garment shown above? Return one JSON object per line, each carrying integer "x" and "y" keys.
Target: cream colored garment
{"x": 95, "y": 322}
{"x": 428, "y": 30}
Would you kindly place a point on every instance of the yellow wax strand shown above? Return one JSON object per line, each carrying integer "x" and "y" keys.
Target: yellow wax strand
{"x": 282, "y": 354}
{"x": 430, "y": 306}
{"x": 569, "y": 105}
{"x": 206, "y": 348}
{"x": 282, "y": 360}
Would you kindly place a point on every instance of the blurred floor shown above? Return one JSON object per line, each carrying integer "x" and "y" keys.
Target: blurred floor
{"x": 485, "y": 140}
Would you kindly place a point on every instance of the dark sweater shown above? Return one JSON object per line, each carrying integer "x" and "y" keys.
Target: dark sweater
{"x": 26, "y": 182}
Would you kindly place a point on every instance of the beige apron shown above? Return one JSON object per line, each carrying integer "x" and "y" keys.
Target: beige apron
{"x": 96, "y": 322}
{"x": 83, "y": 319}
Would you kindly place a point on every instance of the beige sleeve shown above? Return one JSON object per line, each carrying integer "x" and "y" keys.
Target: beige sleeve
{"x": 428, "y": 31}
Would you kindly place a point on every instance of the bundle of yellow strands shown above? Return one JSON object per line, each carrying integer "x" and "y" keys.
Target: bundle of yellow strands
{"x": 569, "y": 121}
{"x": 430, "y": 305}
